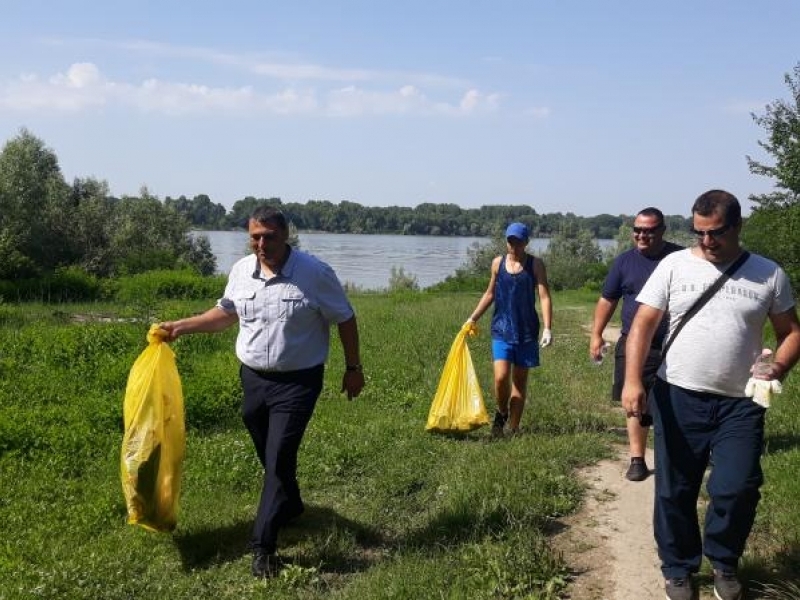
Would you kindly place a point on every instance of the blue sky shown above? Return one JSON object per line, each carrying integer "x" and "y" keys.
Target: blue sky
{"x": 586, "y": 107}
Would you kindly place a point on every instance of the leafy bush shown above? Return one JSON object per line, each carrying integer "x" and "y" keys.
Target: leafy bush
{"x": 399, "y": 280}
{"x": 69, "y": 284}
{"x": 774, "y": 231}
{"x": 168, "y": 285}
{"x": 462, "y": 281}
{"x": 199, "y": 256}
{"x": 573, "y": 260}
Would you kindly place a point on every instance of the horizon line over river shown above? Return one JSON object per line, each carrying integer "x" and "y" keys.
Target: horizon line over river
{"x": 366, "y": 260}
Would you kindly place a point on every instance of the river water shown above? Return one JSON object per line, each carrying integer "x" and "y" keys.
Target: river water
{"x": 367, "y": 260}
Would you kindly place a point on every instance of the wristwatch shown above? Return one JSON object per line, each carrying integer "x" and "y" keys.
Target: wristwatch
{"x": 357, "y": 368}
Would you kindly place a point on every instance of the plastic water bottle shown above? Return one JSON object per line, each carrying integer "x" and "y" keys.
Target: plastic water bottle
{"x": 763, "y": 365}
{"x": 603, "y": 351}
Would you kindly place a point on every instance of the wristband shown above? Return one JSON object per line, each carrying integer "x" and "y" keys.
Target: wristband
{"x": 357, "y": 368}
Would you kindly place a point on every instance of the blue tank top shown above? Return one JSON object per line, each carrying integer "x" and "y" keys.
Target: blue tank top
{"x": 515, "y": 320}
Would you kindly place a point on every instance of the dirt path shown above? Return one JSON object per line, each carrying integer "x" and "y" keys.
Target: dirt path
{"x": 609, "y": 543}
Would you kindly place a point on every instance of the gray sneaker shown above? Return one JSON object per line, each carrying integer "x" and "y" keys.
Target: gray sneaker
{"x": 726, "y": 586}
{"x": 679, "y": 588}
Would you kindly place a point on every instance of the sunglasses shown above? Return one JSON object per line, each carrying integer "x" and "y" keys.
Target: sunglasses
{"x": 712, "y": 233}
{"x": 647, "y": 231}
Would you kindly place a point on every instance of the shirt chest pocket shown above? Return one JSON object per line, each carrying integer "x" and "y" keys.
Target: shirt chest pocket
{"x": 291, "y": 305}
{"x": 246, "y": 306}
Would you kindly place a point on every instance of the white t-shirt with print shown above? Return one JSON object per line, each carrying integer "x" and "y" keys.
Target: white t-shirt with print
{"x": 718, "y": 345}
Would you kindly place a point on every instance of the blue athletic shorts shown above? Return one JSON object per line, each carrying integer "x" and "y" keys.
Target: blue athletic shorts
{"x": 522, "y": 355}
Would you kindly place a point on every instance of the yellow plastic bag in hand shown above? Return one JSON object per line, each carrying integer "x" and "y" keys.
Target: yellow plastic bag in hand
{"x": 155, "y": 437}
{"x": 458, "y": 404}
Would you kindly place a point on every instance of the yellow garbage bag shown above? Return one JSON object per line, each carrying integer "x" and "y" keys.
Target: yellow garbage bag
{"x": 458, "y": 404}
{"x": 155, "y": 437}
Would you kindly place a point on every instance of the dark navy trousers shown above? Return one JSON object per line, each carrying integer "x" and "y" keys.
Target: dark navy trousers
{"x": 276, "y": 409}
{"x": 689, "y": 427}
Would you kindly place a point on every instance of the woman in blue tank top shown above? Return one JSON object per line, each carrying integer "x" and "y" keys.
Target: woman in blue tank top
{"x": 515, "y": 278}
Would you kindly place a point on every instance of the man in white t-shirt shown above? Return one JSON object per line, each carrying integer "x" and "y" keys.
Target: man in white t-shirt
{"x": 700, "y": 403}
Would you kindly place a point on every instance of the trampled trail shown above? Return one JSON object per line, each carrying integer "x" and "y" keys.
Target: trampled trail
{"x": 609, "y": 543}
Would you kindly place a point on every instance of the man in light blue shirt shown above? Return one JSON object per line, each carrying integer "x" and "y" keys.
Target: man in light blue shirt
{"x": 284, "y": 301}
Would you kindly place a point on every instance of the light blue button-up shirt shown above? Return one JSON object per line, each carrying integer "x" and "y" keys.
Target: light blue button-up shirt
{"x": 284, "y": 320}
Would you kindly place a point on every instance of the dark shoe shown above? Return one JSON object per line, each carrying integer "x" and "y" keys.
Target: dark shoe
{"x": 678, "y": 588}
{"x": 294, "y": 512}
{"x": 638, "y": 470}
{"x": 726, "y": 586}
{"x": 265, "y": 564}
{"x": 499, "y": 424}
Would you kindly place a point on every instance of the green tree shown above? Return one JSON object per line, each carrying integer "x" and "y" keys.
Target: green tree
{"x": 200, "y": 256}
{"x": 94, "y": 211}
{"x": 242, "y": 209}
{"x": 574, "y": 260}
{"x": 146, "y": 235}
{"x": 773, "y": 228}
{"x": 35, "y": 208}
{"x": 774, "y": 231}
{"x": 781, "y": 120}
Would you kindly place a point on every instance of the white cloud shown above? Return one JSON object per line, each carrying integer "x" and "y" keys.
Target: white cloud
{"x": 79, "y": 75}
{"x": 274, "y": 65}
{"x": 79, "y": 88}
{"x": 82, "y": 86}
{"x": 353, "y": 101}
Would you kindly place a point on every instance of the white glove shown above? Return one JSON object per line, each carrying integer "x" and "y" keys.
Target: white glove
{"x": 762, "y": 389}
{"x": 547, "y": 338}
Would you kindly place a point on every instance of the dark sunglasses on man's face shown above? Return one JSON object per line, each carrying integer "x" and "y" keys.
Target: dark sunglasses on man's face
{"x": 712, "y": 233}
{"x": 646, "y": 231}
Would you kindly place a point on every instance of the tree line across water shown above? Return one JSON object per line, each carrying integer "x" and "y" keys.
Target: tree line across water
{"x": 424, "y": 219}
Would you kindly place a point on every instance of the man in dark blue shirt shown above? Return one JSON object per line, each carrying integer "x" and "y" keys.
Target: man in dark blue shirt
{"x": 625, "y": 279}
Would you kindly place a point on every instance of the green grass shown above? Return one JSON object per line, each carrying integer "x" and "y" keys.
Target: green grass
{"x": 393, "y": 511}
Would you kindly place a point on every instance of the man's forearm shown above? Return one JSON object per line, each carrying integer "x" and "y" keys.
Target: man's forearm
{"x": 348, "y": 334}
{"x": 637, "y": 346}
{"x": 635, "y": 355}
{"x": 788, "y": 352}
{"x": 602, "y": 315}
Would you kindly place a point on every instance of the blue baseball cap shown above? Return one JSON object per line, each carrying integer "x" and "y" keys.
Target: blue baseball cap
{"x": 517, "y": 230}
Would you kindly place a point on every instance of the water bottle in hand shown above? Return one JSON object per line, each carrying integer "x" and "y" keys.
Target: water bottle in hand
{"x": 603, "y": 351}
{"x": 761, "y": 385}
{"x": 762, "y": 368}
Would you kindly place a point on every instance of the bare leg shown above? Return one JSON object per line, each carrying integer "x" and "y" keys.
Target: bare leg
{"x": 502, "y": 385}
{"x": 519, "y": 385}
{"x": 637, "y": 437}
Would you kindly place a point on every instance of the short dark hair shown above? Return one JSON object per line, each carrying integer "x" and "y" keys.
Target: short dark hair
{"x": 269, "y": 214}
{"x": 721, "y": 203}
{"x": 652, "y": 211}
